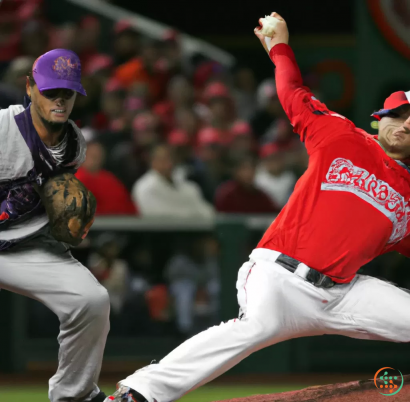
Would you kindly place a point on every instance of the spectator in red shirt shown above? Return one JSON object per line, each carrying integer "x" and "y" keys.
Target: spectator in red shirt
{"x": 99, "y": 65}
{"x": 177, "y": 62}
{"x": 9, "y": 36}
{"x": 112, "y": 115}
{"x": 207, "y": 72}
{"x": 240, "y": 194}
{"x": 242, "y": 140}
{"x": 90, "y": 31}
{"x": 111, "y": 195}
{"x": 211, "y": 152}
{"x": 126, "y": 42}
{"x": 187, "y": 119}
{"x": 180, "y": 96}
{"x": 221, "y": 109}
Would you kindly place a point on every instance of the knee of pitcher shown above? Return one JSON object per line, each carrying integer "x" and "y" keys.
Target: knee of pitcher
{"x": 260, "y": 331}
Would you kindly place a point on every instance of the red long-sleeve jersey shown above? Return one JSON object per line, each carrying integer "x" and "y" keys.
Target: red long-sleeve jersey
{"x": 352, "y": 203}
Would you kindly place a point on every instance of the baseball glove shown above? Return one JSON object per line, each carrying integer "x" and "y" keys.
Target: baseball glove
{"x": 70, "y": 207}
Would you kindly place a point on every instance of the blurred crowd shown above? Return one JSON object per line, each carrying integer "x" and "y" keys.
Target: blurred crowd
{"x": 169, "y": 135}
{"x": 159, "y": 284}
{"x": 141, "y": 304}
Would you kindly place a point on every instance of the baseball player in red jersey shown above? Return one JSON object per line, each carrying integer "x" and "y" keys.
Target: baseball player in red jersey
{"x": 350, "y": 206}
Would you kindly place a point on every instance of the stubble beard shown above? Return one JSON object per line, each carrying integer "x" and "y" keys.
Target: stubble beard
{"x": 53, "y": 126}
{"x": 394, "y": 147}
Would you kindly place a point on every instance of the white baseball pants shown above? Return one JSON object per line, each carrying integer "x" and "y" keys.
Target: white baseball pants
{"x": 44, "y": 269}
{"x": 277, "y": 305}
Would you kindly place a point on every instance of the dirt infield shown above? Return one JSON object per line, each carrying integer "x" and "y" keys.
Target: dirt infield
{"x": 356, "y": 391}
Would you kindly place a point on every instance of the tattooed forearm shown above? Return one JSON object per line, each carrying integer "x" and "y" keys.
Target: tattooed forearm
{"x": 70, "y": 207}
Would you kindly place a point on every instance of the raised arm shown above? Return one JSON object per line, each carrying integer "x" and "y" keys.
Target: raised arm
{"x": 310, "y": 118}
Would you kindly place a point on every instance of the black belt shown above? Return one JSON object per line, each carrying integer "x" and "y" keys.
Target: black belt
{"x": 313, "y": 276}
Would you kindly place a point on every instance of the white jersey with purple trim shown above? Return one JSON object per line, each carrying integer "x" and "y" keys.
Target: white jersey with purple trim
{"x": 16, "y": 173}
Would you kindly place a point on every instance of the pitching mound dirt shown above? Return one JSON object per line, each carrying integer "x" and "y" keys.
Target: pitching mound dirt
{"x": 356, "y": 391}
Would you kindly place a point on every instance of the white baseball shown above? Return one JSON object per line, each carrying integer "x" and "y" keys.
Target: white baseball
{"x": 269, "y": 25}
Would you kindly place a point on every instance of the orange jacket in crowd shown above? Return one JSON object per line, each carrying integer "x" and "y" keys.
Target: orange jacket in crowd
{"x": 134, "y": 71}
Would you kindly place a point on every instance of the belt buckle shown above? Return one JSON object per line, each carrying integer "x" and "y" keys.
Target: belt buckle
{"x": 306, "y": 273}
{"x": 302, "y": 271}
{"x": 319, "y": 280}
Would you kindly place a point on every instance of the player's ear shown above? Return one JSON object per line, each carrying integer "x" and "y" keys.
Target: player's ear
{"x": 28, "y": 87}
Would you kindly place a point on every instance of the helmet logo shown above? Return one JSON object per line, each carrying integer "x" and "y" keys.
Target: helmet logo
{"x": 66, "y": 67}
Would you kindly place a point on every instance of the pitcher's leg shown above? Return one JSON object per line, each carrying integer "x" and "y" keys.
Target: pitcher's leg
{"x": 372, "y": 309}
{"x": 214, "y": 351}
{"x": 52, "y": 276}
{"x": 199, "y": 360}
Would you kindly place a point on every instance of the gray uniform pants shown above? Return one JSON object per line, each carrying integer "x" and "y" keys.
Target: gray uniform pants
{"x": 44, "y": 269}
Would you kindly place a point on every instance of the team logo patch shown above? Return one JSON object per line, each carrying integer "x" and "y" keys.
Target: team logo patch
{"x": 66, "y": 67}
{"x": 343, "y": 175}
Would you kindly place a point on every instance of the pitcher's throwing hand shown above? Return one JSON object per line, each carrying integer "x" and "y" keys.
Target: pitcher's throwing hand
{"x": 281, "y": 33}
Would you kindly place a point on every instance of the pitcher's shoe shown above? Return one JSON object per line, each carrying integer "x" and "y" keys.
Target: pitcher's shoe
{"x": 125, "y": 394}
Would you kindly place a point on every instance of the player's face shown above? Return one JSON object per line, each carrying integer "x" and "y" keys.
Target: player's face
{"x": 394, "y": 133}
{"x": 54, "y": 105}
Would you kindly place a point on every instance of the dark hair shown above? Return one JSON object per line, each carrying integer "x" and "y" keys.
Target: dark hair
{"x": 31, "y": 78}
{"x": 402, "y": 109}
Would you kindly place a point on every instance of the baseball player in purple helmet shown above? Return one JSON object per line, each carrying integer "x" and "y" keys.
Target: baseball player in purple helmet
{"x": 37, "y": 143}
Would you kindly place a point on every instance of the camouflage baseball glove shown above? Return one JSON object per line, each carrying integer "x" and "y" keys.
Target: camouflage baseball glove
{"x": 70, "y": 207}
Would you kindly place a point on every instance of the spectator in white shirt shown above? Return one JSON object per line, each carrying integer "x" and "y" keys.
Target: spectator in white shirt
{"x": 159, "y": 193}
{"x": 272, "y": 175}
